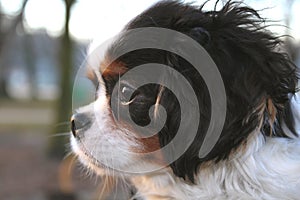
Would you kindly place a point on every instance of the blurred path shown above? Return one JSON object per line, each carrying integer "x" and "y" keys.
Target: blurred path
{"x": 42, "y": 116}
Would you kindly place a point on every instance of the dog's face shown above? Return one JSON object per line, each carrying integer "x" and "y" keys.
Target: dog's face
{"x": 104, "y": 140}
{"x": 257, "y": 79}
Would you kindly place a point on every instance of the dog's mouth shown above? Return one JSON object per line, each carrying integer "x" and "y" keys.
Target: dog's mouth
{"x": 79, "y": 125}
{"x": 87, "y": 157}
{"x": 80, "y": 149}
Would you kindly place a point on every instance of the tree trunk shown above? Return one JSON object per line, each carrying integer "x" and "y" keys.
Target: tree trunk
{"x": 64, "y": 104}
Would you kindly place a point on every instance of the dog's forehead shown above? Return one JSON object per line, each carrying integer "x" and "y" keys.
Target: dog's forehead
{"x": 100, "y": 60}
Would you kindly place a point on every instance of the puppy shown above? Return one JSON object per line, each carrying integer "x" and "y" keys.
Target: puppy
{"x": 131, "y": 128}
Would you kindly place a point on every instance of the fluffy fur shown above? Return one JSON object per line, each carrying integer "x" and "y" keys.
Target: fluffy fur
{"x": 258, "y": 153}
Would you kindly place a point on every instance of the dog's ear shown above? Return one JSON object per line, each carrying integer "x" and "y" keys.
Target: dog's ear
{"x": 201, "y": 35}
{"x": 281, "y": 78}
{"x": 280, "y": 81}
{"x": 258, "y": 80}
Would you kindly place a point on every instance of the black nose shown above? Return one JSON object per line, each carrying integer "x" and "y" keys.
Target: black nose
{"x": 79, "y": 121}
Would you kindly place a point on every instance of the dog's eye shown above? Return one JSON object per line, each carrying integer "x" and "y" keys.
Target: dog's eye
{"x": 126, "y": 94}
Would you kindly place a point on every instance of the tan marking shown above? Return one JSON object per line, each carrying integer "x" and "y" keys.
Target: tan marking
{"x": 111, "y": 69}
{"x": 151, "y": 150}
{"x": 90, "y": 73}
{"x": 150, "y": 144}
{"x": 272, "y": 112}
{"x": 260, "y": 109}
{"x": 241, "y": 150}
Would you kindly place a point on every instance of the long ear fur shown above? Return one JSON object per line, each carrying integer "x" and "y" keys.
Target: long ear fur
{"x": 258, "y": 79}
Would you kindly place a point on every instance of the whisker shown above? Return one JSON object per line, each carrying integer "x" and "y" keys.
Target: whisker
{"x": 69, "y": 155}
{"x": 59, "y": 135}
{"x": 71, "y": 166}
{"x": 103, "y": 185}
{"x": 64, "y": 174}
{"x": 62, "y": 124}
{"x": 119, "y": 97}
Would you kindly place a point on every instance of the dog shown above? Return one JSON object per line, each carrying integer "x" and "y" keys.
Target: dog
{"x": 257, "y": 153}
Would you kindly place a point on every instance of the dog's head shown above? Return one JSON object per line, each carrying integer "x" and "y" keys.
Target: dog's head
{"x": 258, "y": 81}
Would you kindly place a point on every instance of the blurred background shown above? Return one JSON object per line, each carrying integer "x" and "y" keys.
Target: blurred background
{"x": 42, "y": 45}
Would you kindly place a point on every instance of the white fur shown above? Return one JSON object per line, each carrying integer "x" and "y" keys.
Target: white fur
{"x": 266, "y": 168}
{"x": 270, "y": 171}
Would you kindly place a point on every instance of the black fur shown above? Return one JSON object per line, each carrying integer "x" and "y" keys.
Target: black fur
{"x": 253, "y": 71}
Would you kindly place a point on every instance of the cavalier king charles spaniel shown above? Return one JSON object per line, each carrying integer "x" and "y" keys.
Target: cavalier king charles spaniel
{"x": 257, "y": 153}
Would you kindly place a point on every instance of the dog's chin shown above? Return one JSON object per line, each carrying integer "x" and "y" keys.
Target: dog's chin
{"x": 91, "y": 163}
{"x": 138, "y": 166}
{"x": 87, "y": 160}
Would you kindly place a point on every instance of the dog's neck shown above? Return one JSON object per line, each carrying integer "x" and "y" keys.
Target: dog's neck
{"x": 265, "y": 168}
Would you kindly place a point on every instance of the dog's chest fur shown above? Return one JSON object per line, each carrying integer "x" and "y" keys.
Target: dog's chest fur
{"x": 269, "y": 169}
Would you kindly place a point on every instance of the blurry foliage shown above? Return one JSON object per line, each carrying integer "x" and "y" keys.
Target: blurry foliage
{"x": 9, "y": 26}
{"x": 6, "y": 34}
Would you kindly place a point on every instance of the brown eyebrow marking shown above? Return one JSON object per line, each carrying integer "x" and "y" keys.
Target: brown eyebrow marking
{"x": 113, "y": 69}
{"x": 90, "y": 74}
